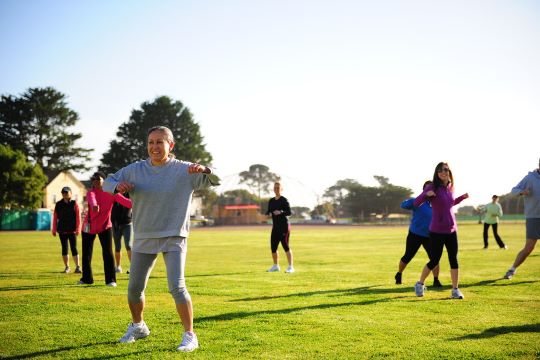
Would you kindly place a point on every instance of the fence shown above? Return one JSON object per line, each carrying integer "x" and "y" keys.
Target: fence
{"x": 25, "y": 219}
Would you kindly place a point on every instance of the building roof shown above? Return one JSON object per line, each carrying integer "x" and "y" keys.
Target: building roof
{"x": 241, "y": 207}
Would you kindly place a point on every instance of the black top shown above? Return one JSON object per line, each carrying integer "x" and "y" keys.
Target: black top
{"x": 280, "y": 221}
{"x": 120, "y": 215}
{"x": 65, "y": 213}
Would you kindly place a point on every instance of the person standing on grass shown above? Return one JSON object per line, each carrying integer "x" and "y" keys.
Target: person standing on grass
{"x": 418, "y": 236}
{"x": 67, "y": 223}
{"x": 279, "y": 208}
{"x": 529, "y": 188}
{"x": 443, "y": 227}
{"x": 493, "y": 213}
{"x": 161, "y": 189}
{"x": 121, "y": 222}
{"x": 98, "y": 222}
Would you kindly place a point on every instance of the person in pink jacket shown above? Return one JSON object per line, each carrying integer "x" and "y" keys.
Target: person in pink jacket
{"x": 443, "y": 226}
{"x": 97, "y": 221}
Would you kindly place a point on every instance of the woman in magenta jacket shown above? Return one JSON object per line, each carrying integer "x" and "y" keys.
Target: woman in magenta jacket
{"x": 443, "y": 227}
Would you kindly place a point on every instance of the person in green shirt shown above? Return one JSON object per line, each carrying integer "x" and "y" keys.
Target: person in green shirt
{"x": 493, "y": 213}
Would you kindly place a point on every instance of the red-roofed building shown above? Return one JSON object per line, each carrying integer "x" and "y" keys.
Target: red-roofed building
{"x": 238, "y": 214}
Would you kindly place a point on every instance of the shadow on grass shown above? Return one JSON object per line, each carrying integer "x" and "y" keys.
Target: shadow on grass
{"x": 373, "y": 290}
{"x": 245, "y": 314}
{"x": 501, "y": 330}
{"x": 54, "y": 351}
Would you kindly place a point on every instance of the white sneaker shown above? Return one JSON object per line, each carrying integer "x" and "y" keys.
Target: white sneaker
{"x": 189, "y": 342}
{"x": 290, "y": 269}
{"x": 509, "y": 274}
{"x": 274, "y": 268}
{"x": 135, "y": 332}
{"x": 419, "y": 289}
{"x": 112, "y": 284}
{"x": 67, "y": 269}
{"x": 456, "y": 294}
{"x": 118, "y": 269}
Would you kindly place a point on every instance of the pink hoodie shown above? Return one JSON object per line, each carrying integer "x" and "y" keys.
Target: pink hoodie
{"x": 101, "y": 220}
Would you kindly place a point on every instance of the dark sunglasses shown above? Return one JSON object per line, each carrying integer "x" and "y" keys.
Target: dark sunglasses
{"x": 443, "y": 170}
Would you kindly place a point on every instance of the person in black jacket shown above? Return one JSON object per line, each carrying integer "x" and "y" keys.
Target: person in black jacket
{"x": 67, "y": 223}
{"x": 279, "y": 208}
{"x": 121, "y": 221}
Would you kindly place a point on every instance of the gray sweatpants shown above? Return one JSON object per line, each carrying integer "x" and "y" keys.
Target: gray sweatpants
{"x": 141, "y": 267}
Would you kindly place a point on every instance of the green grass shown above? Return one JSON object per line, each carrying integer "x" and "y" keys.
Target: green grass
{"x": 340, "y": 304}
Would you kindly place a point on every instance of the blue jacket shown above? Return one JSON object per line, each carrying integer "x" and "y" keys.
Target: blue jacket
{"x": 421, "y": 217}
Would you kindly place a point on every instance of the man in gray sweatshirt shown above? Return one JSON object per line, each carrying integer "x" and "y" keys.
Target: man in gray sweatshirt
{"x": 529, "y": 188}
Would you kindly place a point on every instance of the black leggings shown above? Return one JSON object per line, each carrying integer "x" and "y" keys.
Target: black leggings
{"x": 437, "y": 243}
{"x": 414, "y": 241}
{"x": 279, "y": 236}
{"x": 64, "y": 238}
{"x": 105, "y": 238}
{"x": 497, "y": 237}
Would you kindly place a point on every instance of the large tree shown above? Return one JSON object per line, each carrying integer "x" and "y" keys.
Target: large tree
{"x": 37, "y": 123}
{"x": 130, "y": 144}
{"x": 21, "y": 182}
{"x": 258, "y": 178}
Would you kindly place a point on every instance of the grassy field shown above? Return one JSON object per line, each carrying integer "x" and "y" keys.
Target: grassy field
{"x": 340, "y": 304}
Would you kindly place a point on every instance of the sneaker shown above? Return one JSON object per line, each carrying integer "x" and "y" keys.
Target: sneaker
{"x": 83, "y": 283}
{"x": 485, "y": 248}
{"x": 118, "y": 269}
{"x": 509, "y": 274}
{"x": 67, "y": 269}
{"x": 419, "y": 289}
{"x": 290, "y": 269}
{"x": 274, "y": 268}
{"x": 78, "y": 270}
{"x": 189, "y": 342}
{"x": 398, "y": 278}
{"x": 504, "y": 247}
{"x": 111, "y": 284}
{"x": 456, "y": 294}
{"x": 437, "y": 283}
{"x": 135, "y": 332}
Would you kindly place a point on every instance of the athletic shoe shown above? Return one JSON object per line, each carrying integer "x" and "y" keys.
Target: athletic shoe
{"x": 456, "y": 294}
{"x": 398, "y": 278}
{"x": 419, "y": 289}
{"x": 189, "y": 342}
{"x": 118, "y": 269}
{"x": 485, "y": 248}
{"x": 78, "y": 270}
{"x": 135, "y": 332}
{"x": 274, "y": 268}
{"x": 437, "y": 283}
{"x": 509, "y": 274}
{"x": 504, "y": 247}
{"x": 82, "y": 283}
{"x": 111, "y": 284}
{"x": 67, "y": 269}
{"x": 290, "y": 269}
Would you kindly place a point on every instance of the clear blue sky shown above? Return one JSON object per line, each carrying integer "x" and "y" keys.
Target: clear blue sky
{"x": 317, "y": 90}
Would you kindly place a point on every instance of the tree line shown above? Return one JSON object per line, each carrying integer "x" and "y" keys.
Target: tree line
{"x": 36, "y": 140}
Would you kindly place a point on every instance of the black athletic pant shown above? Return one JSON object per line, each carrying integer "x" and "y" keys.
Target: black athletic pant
{"x": 414, "y": 241}
{"x": 437, "y": 243}
{"x": 497, "y": 237}
{"x": 105, "y": 238}
{"x": 64, "y": 238}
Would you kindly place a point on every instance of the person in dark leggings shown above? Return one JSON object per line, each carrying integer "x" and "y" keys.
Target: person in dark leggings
{"x": 98, "y": 222}
{"x": 493, "y": 213}
{"x": 67, "y": 223}
{"x": 418, "y": 236}
{"x": 443, "y": 227}
{"x": 279, "y": 208}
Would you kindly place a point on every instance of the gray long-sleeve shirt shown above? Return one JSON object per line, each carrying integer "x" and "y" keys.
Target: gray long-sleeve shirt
{"x": 530, "y": 182}
{"x": 161, "y": 196}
